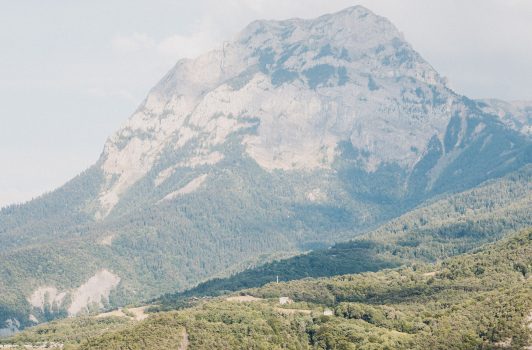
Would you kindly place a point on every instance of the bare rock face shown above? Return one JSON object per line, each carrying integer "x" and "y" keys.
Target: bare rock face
{"x": 515, "y": 114}
{"x": 47, "y": 299}
{"x": 9, "y": 327}
{"x": 294, "y": 90}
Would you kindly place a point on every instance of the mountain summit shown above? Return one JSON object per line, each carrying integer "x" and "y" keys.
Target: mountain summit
{"x": 297, "y": 134}
{"x": 292, "y": 90}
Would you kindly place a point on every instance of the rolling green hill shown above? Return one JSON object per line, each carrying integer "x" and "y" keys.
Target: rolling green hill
{"x": 449, "y": 226}
{"x": 480, "y": 300}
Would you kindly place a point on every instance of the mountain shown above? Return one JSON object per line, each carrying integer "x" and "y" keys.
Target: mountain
{"x": 480, "y": 300}
{"x": 515, "y": 114}
{"x": 293, "y": 136}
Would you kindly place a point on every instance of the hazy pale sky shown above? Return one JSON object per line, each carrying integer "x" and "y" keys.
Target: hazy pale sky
{"x": 71, "y": 72}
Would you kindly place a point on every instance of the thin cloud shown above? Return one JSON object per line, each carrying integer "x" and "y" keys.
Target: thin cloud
{"x": 132, "y": 43}
{"x": 186, "y": 46}
{"x": 199, "y": 39}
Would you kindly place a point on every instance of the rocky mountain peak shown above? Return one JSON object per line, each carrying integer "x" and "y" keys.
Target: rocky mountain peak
{"x": 292, "y": 90}
{"x": 354, "y": 26}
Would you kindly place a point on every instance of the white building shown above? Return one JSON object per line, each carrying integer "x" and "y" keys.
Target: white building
{"x": 285, "y": 300}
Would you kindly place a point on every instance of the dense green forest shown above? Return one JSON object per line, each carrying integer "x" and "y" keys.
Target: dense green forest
{"x": 479, "y": 300}
{"x": 449, "y": 226}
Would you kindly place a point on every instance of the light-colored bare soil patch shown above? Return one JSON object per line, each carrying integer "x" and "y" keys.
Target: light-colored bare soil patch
{"x": 33, "y": 346}
{"x": 184, "y": 341}
{"x": 430, "y": 274}
{"x": 137, "y": 313}
{"x": 115, "y": 313}
{"x": 97, "y": 287}
{"x": 243, "y": 298}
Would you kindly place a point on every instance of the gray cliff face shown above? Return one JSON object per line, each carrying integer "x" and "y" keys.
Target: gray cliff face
{"x": 514, "y": 114}
{"x": 297, "y": 95}
{"x": 294, "y": 90}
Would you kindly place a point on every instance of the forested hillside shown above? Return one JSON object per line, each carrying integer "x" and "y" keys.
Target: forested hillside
{"x": 480, "y": 300}
{"x": 449, "y": 226}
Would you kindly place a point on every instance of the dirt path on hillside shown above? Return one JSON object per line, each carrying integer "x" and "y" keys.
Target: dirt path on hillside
{"x": 33, "y": 346}
{"x": 184, "y": 341}
{"x": 137, "y": 313}
{"x": 243, "y": 298}
{"x": 528, "y": 323}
